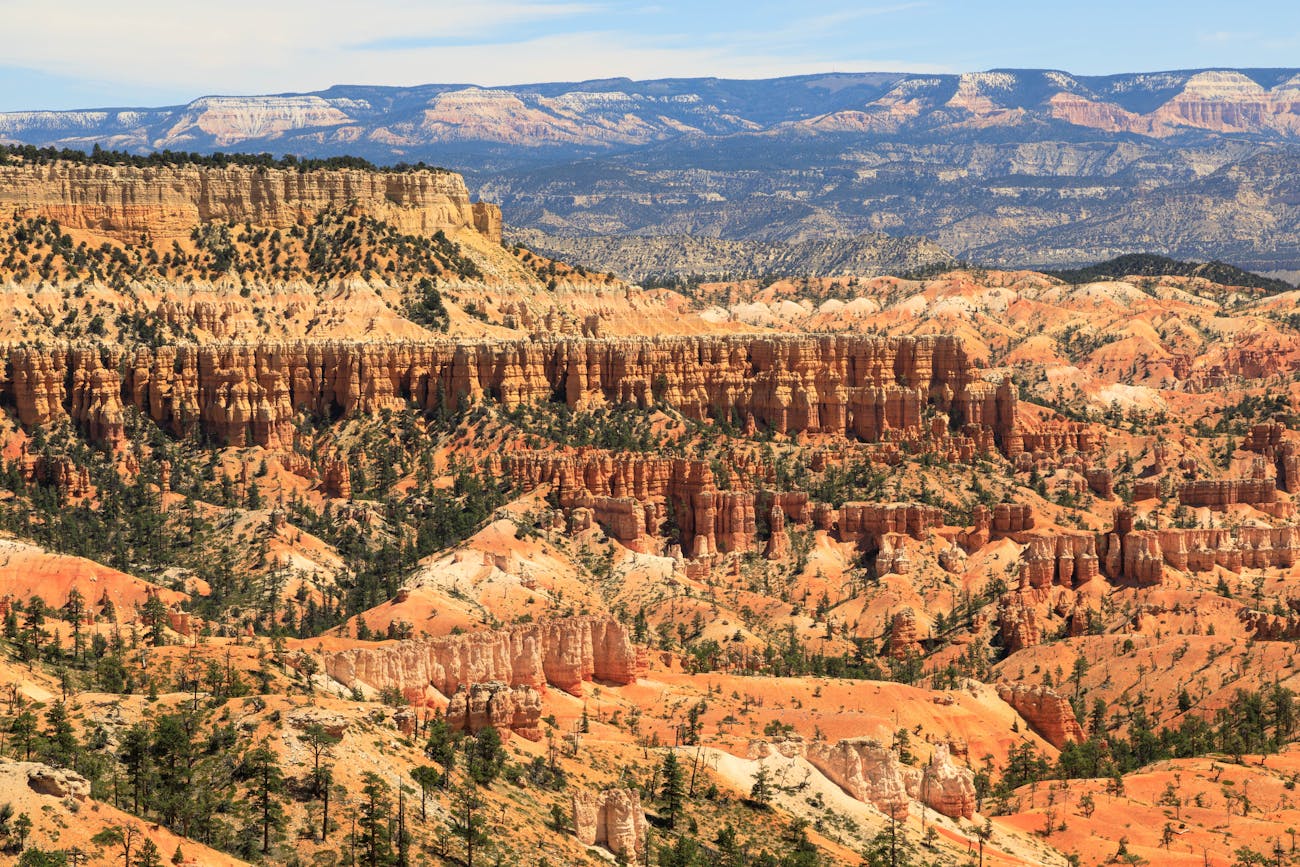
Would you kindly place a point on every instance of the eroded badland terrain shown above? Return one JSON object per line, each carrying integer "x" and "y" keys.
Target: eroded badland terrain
{"x": 336, "y": 531}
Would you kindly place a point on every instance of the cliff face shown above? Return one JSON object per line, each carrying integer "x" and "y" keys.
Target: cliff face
{"x": 505, "y": 708}
{"x": 165, "y": 202}
{"x": 1269, "y": 440}
{"x": 1141, "y": 556}
{"x": 631, "y": 496}
{"x": 559, "y": 653}
{"x": 864, "y": 387}
{"x": 612, "y": 818}
{"x": 1067, "y": 559}
{"x": 1046, "y": 712}
{"x": 872, "y": 773}
{"x": 1221, "y": 493}
{"x": 1203, "y": 144}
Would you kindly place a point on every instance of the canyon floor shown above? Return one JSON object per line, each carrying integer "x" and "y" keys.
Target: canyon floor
{"x": 352, "y": 535}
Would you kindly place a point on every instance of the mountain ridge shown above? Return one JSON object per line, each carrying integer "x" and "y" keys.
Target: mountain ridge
{"x": 1011, "y": 168}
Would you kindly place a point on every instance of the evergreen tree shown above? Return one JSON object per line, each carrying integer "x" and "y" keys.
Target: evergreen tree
{"x": 35, "y": 857}
{"x": 148, "y": 856}
{"x": 761, "y": 791}
{"x": 427, "y": 777}
{"x": 22, "y": 731}
{"x": 75, "y": 610}
{"x": 889, "y": 848}
{"x": 319, "y": 742}
{"x": 682, "y": 852}
{"x": 135, "y": 759}
{"x": 119, "y": 836}
{"x": 466, "y": 821}
{"x": 376, "y": 842}
{"x": 60, "y": 740}
{"x": 441, "y": 747}
{"x": 484, "y": 756}
{"x": 155, "y": 615}
{"x": 672, "y": 789}
{"x": 730, "y": 853}
{"x": 264, "y": 782}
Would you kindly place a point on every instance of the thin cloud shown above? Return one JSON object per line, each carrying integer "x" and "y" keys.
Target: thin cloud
{"x": 832, "y": 20}
{"x": 511, "y": 23}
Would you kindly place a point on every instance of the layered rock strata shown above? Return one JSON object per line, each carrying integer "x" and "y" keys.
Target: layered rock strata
{"x": 506, "y": 708}
{"x": 612, "y": 818}
{"x": 1221, "y": 493}
{"x": 1066, "y": 559}
{"x": 1269, "y": 440}
{"x": 166, "y": 202}
{"x": 1046, "y": 712}
{"x": 870, "y": 388}
{"x": 1141, "y": 556}
{"x": 632, "y": 496}
{"x": 561, "y": 653}
{"x": 904, "y": 635}
{"x": 872, "y": 773}
{"x": 1018, "y": 620}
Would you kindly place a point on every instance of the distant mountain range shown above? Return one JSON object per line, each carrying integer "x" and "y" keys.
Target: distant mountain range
{"x": 1015, "y": 167}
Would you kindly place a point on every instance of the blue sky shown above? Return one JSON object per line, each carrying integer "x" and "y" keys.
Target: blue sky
{"x": 79, "y": 53}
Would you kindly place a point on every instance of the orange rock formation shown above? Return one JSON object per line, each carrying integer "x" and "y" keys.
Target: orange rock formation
{"x": 612, "y": 818}
{"x": 163, "y": 202}
{"x": 561, "y": 653}
{"x": 863, "y": 387}
{"x": 1046, "y": 712}
{"x": 507, "y": 708}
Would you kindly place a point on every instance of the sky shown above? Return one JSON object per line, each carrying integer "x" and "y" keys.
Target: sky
{"x": 87, "y": 53}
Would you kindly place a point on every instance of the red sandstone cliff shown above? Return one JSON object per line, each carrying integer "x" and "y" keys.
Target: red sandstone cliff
{"x": 476, "y": 706}
{"x": 863, "y": 387}
{"x": 1141, "y": 556}
{"x": 1046, "y": 712}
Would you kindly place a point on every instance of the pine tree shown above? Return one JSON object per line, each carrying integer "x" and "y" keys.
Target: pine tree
{"x": 148, "y": 856}
{"x": 672, "y": 790}
{"x": 761, "y": 791}
{"x": 124, "y": 836}
{"x": 375, "y": 805}
{"x": 441, "y": 747}
{"x": 22, "y": 731}
{"x": 61, "y": 740}
{"x": 427, "y": 777}
{"x": 76, "y": 611}
{"x": 155, "y": 615}
{"x": 319, "y": 742}
{"x": 466, "y": 823}
{"x": 135, "y": 758}
{"x": 484, "y": 756}
{"x": 264, "y": 781}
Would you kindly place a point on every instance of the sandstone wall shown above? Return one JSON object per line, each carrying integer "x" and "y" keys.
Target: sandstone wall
{"x": 166, "y": 202}
{"x": 862, "y": 387}
{"x": 1067, "y": 559}
{"x": 871, "y": 772}
{"x": 506, "y": 708}
{"x": 560, "y": 653}
{"x": 1047, "y": 713}
{"x": 1270, "y": 440}
{"x": 1221, "y": 493}
{"x": 1141, "y": 556}
{"x": 612, "y": 818}
{"x": 632, "y": 496}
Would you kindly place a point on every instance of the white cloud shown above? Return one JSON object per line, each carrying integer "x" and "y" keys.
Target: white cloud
{"x": 246, "y": 44}
{"x": 252, "y": 46}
